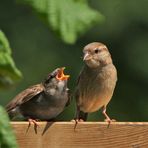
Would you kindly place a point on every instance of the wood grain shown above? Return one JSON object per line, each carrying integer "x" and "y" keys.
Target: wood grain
{"x": 86, "y": 135}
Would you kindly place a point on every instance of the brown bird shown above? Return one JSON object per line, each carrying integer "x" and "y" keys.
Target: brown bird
{"x": 43, "y": 101}
{"x": 96, "y": 82}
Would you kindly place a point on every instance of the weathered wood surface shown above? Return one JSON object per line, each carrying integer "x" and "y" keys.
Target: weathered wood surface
{"x": 86, "y": 135}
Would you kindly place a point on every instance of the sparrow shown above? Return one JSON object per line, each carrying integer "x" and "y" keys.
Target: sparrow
{"x": 43, "y": 101}
{"x": 96, "y": 82}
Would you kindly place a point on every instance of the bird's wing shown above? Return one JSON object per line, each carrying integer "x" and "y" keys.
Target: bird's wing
{"x": 25, "y": 96}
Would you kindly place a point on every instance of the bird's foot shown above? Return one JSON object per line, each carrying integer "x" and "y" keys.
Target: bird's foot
{"x": 76, "y": 121}
{"x": 109, "y": 121}
{"x": 107, "y": 117}
{"x": 35, "y": 124}
{"x": 33, "y": 121}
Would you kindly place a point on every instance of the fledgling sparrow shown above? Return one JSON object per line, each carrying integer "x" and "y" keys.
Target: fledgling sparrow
{"x": 43, "y": 101}
{"x": 96, "y": 81}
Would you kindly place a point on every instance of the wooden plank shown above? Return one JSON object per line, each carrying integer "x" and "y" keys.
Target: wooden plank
{"x": 86, "y": 135}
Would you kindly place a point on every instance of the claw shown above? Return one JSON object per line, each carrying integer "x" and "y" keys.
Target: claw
{"x": 109, "y": 121}
{"x": 76, "y": 121}
{"x": 107, "y": 117}
{"x": 35, "y": 125}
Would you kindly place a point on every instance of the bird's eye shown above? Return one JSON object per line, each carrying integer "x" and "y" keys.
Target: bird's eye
{"x": 97, "y": 50}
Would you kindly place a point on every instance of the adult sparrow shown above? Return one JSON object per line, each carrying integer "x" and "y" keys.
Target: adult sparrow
{"x": 96, "y": 81}
{"x": 43, "y": 101}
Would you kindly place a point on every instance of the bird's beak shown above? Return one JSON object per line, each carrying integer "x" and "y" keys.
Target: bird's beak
{"x": 86, "y": 57}
{"x": 61, "y": 76}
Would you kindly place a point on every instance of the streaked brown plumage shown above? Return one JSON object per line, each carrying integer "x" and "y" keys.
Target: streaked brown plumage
{"x": 96, "y": 82}
{"x": 43, "y": 101}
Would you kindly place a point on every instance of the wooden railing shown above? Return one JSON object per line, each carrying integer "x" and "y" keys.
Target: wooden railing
{"x": 86, "y": 135}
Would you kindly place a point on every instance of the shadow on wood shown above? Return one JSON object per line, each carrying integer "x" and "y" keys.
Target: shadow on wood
{"x": 86, "y": 135}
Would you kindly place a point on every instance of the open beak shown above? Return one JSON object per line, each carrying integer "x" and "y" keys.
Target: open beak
{"x": 61, "y": 76}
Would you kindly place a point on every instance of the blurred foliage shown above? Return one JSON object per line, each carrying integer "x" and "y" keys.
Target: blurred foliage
{"x": 68, "y": 18}
{"x": 125, "y": 31}
{"x": 7, "y": 138}
{"x": 9, "y": 74}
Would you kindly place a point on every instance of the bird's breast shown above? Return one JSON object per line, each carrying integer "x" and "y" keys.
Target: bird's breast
{"x": 95, "y": 90}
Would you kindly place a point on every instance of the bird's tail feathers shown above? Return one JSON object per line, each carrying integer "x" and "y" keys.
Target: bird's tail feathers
{"x": 83, "y": 115}
{"x": 80, "y": 114}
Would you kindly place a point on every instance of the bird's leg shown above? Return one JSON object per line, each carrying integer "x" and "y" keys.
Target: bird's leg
{"x": 76, "y": 119}
{"x": 107, "y": 118}
{"x": 33, "y": 121}
{"x": 79, "y": 117}
{"x": 35, "y": 124}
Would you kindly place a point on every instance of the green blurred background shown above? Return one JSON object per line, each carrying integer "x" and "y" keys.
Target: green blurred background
{"x": 37, "y": 51}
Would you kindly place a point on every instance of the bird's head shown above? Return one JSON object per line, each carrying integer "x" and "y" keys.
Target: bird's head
{"x": 56, "y": 80}
{"x": 96, "y": 54}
